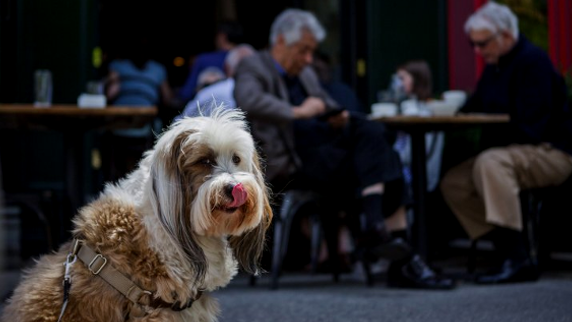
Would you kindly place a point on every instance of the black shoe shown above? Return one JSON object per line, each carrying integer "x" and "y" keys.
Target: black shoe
{"x": 394, "y": 250}
{"x": 511, "y": 271}
{"x": 415, "y": 273}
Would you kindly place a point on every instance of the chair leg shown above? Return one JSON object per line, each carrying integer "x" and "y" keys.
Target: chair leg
{"x": 316, "y": 244}
{"x": 531, "y": 206}
{"x": 252, "y": 281}
{"x": 472, "y": 260}
{"x": 276, "y": 255}
{"x": 369, "y": 280}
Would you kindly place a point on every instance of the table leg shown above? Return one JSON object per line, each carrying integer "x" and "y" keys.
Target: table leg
{"x": 419, "y": 185}
{"x": 73, "y": 143}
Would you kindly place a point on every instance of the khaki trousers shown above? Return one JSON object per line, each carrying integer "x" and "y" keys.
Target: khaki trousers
{"x": 483, "y": 191}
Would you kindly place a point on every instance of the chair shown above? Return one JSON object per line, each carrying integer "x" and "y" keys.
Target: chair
{"x": 292, "y": 201}
{"x": 35, "y": 235}
{"x": 531, "y": 201}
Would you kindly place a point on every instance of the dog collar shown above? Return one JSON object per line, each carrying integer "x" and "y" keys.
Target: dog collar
{"x": 98, "y": 265}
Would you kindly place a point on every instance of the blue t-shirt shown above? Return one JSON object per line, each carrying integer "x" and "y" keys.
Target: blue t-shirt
{"x": 139, "y": 87}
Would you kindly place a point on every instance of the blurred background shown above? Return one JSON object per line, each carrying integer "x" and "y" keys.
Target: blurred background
{"x": 366, "y": 38}
{"x": 76, "y": 40}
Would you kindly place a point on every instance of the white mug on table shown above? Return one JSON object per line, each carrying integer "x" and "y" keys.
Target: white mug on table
{"x": 383, "y": 109}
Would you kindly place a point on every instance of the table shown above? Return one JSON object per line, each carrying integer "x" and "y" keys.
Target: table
{"x": 416, "y": 127}
{"x": 73, "y": 122}
{"x": 63, "y": 116}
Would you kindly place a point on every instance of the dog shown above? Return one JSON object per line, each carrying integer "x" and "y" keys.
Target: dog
{"x": 153, "y": 245}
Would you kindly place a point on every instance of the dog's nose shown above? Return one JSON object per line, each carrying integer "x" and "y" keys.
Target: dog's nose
{"x": 238, "y": 195}
{"x": 228, "y": 190}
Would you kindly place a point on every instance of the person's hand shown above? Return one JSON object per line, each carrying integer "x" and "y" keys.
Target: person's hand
{"x": 339, "y": 120}
{"x": 311, "y": 107}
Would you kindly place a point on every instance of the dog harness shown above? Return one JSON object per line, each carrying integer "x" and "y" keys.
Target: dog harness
{"x": 97, "y": 264}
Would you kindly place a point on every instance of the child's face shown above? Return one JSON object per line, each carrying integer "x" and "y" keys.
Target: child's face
{"x": 406, "y": 80}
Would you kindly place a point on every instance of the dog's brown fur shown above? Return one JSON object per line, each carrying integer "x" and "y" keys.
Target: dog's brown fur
{"x": 124, "y": 226}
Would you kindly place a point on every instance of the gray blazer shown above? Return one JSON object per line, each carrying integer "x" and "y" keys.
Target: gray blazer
{"x": 261, "y": 92}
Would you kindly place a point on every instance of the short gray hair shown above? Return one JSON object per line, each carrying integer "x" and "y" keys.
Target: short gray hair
{"x": 209, "y": 75}
{"x": 290, "y": 24}
{"x": 494, "y": 17}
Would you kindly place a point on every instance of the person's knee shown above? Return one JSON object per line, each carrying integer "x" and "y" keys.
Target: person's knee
{"x": 491, "y": 160}
{"x": 450, "y": 181}
{"x": 445, "y": 182}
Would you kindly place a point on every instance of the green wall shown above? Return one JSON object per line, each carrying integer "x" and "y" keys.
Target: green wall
{"x": 402, "y": 30}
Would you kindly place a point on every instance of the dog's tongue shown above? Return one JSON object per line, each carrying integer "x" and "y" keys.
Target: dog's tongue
{"x": 239, "y": 195}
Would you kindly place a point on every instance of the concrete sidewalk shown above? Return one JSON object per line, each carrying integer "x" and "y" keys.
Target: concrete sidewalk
{"x": 305, "y": 297}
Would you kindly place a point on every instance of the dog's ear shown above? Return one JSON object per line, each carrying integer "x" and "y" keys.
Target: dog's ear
{"x": 169, "y": 197}
{"x": 248, "y": 247}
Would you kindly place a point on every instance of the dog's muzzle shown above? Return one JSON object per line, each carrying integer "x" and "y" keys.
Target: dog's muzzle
{"x": 238, "y": 194}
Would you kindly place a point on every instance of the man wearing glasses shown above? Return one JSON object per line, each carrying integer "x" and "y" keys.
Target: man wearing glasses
{"x": 536, "y": 151}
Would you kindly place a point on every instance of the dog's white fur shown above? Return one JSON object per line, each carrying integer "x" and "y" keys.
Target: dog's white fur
{"x": 167, "y": 226}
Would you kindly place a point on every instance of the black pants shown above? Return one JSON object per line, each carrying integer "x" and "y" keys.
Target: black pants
{"x": 340, "y": 164}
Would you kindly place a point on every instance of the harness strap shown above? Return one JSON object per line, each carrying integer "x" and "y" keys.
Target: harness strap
{"x": 98, "y": 265}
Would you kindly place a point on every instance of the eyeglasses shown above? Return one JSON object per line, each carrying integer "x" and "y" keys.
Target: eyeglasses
{"x": 483, "y": 43}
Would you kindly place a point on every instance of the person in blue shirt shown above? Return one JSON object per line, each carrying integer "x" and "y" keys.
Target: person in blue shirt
{"x": 228, "y": 35}
{"x": 134, "y": 79}
{"x": 221, "y": 92}
{"x": 535, "y": 151}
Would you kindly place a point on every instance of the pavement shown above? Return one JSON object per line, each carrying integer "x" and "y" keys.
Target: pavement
{"x": 303, "y": 296}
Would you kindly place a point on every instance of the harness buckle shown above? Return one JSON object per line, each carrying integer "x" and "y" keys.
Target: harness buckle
{"x": 93, "y": 261}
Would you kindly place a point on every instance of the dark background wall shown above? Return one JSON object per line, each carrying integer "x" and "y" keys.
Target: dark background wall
{"x": 367, "y": 38}
{"x": 399, "y": 31}
{"x": 57, "y": 35}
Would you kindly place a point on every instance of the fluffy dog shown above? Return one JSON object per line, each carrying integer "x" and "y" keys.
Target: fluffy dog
{"x": 152, "y": 246}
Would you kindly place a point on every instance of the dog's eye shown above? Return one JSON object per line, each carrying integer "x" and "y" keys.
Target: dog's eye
{"x": 236, "y": 159}
{"x": 207, "y": 162}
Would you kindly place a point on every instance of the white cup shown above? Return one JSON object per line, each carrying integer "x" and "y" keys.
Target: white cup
{"x": 42, "y": 88}
{"x": 383, "y": 109}
{"x": 455, "y": 97}
{"x": 442, "y": 108}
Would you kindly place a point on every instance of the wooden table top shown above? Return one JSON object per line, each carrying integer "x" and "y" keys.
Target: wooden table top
{"x": 460, "y": 118}
{"x": 442, "y": 122}
{"x": 69, "y": 116}
{"x": 70, "y": 109}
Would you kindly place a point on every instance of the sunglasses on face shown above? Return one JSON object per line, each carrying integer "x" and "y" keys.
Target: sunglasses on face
{"x": 483, "y": 43}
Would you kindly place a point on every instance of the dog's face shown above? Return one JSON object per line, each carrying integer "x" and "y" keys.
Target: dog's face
{"x": 207, "y": 181}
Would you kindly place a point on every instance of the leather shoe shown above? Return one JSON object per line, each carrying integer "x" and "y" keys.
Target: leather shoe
{"x": 511, "y": 271}
{"x": 415, "y": 273}
{"x": 394, "y": 250}
{"x": 376, "y": 244}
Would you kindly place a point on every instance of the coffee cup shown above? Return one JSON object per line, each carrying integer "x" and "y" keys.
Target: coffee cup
{"x": 383, "y": 109}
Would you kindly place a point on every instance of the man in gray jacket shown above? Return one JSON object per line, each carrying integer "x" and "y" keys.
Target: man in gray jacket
{"x": 309, "y": 140}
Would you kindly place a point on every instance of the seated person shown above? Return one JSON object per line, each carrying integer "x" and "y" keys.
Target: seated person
{"x": 536, "y": 151}
{"x": 342, "y": 156}
{"x": 228, "y": 35}
{"x": 339, "y": 91}
{"x": 220, "y": 92}
{"x": 134, "y": 79}
{"x": 209, "y": 76}
{"x": 415, "y": 81}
